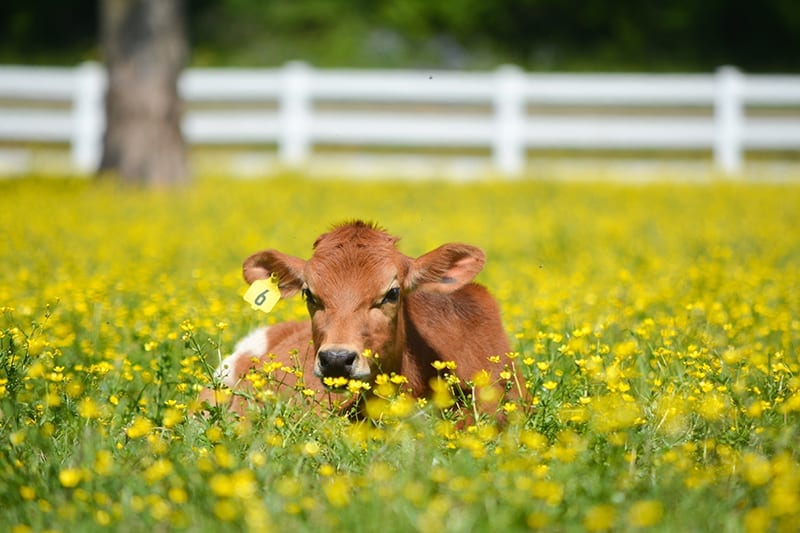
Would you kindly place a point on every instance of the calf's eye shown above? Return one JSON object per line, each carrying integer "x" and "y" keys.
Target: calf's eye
{"x": 391, "y": 296}
{"x": 309, "y": 297}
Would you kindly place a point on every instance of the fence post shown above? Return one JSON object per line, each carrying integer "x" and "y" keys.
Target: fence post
{"x": 508, "y": 143}
{"x": 88, "y": 119}
{"x": 294, "y": 140}
{"x": 728, "y": 120}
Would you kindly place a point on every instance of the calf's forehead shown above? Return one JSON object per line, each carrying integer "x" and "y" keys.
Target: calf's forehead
{"x": 360, "y": 270}
{"x": 356, "y": 257}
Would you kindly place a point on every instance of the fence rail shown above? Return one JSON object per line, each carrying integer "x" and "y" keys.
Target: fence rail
{"x": 507, "y": 112}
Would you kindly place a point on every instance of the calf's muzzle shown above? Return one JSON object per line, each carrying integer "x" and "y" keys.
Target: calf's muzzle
{"x": 336, "y": 363}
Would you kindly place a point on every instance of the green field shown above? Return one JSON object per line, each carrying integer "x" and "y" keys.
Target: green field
{"x": 658, "y": 327}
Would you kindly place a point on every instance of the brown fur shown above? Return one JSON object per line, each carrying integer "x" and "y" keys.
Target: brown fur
{"x": 439, "y": 315}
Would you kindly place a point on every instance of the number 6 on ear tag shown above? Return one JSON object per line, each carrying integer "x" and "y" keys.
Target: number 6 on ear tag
{"x": 263, "y": 294}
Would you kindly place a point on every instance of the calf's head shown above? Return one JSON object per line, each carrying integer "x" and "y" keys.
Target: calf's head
{"x": 354, "y": 286}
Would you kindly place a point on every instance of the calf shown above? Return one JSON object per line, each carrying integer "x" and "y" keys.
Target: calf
{"x": 373, "y": 310}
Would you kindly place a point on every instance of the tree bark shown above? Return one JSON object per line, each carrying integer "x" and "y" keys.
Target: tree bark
{"x": 145, "y": 48}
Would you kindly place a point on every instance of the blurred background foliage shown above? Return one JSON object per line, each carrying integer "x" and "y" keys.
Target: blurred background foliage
{"x": 607, "y": 35}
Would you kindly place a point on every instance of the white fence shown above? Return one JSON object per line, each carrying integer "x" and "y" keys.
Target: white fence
{"x": 506, "y": 112}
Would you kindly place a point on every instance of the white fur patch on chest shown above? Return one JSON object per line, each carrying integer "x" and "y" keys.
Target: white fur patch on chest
{"x": 253, "y": 345}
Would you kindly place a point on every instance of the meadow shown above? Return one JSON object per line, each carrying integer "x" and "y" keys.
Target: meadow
{"x": 657, "y": 326}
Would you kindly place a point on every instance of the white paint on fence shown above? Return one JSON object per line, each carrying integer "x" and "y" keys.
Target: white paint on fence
{"x": 296, "y": 114}
{"x": 507, "y": 112}
{"x": 728, "y": 120}
{"x": 88, "y": 120}
{"x": 508, "y": 141}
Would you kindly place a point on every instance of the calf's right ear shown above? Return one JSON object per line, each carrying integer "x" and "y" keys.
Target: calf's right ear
{"x": 287, "y": 268}
{"x": 445, "y": 269}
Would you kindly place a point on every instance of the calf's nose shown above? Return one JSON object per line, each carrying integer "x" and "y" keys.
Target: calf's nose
{"x": 336, "y": 362}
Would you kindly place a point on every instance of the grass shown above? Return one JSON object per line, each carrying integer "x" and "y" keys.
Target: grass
{"x": 658, "y": 327}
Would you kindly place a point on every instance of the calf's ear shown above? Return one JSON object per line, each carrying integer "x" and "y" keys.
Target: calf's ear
{"x": 287, "y": 268}
{"x": 445, "y": 269}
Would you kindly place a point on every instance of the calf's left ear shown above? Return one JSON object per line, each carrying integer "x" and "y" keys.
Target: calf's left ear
{"x": 445, "y": 269}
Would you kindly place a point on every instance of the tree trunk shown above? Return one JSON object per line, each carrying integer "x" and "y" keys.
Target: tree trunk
{"x": 145, "y": 48}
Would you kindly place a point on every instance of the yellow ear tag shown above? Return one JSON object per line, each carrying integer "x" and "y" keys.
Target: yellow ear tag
{"x": 263, "y": 294}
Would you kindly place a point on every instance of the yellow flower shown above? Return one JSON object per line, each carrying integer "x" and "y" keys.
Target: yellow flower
{"x": 88, "y": 408}
{"x": 397, "y": 379}
{"x": 756, "y": 469}
{"x": 612, "y": 413}
{"x": 74, "y": 389}
{"x": 448, "y": 365}
{"x": 549, "y": 491}
{"x": 533, "y": 440}
{"x": 177, "y": 495}
{"x": 335, "y": 383}
{"x": 103, "y": 462}
{"x": 226, "y": 510}
{"x": 377, "y": 408}
{"x": 481, "y": 378}
{"x": 311, "y": 448}
{"x": 337, "y": 491}
{"x": 258, "y": 459}
{"x": 36, "y": 346}
{"x": 214, "y": 434}
{"x": 172, "y": 417}
{"x": 222, "y": 485}
{"x": 645, "y": 513}
{"x": 599, "y": 518}
{"x": 757, "y": 520}
{"x": 288, "y": 487}
{"x": 224, "y": 458}
{"x": 713, "y": 406}
{"x": 70, "y": 477}
{"x": 537, "y": 520}
{"x": 102, "y": 518}
{"x": 160, "y": 469}
{"x": 17, "y": 438}
{"x": 401, "y": 406}
{"x": 35, "y": 371}
{"x": 356, "y": 385}
{"x": 442, "y": 397}
{"x": 244, "y": 484}
{"x": 140, "y": 427}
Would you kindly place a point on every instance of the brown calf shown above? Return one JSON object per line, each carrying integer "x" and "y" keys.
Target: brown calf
{"x": 364, "y": 296}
